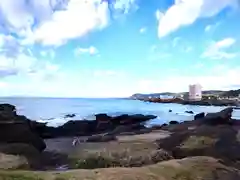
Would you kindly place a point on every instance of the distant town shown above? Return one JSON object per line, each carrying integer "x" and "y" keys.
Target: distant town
{"x": 194, "y": 95}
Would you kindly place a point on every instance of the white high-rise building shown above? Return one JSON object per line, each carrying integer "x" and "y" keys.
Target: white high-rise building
{"x": 195, "y": 92}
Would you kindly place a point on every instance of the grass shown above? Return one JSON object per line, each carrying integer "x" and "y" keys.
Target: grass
{"x": 117, "y": 154}
{"x": 8, "y": 161}
{"x": 198, "y": 142}
{"x": 119, "y": 159}
{"x": 186, "y": 169}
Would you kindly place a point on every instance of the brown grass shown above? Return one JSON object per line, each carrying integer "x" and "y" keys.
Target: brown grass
{"x": 115, "y": 154}
{"x": 198, "y": 142}
{"x": 13, "y": 162}
{"x": 195, "y": 168}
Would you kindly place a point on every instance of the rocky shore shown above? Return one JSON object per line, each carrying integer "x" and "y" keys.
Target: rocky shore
{"x": 204, "y": 148}
{"x": 205, "y": 102}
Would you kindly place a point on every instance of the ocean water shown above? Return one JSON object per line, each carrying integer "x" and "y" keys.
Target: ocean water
{"x": 53, "y": 110}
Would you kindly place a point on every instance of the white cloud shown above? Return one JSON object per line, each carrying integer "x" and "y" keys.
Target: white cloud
{"x": 90, "y": 50}
{"x": 212, "y": 27}
{"x": 9, "y": 46}
{"x": 227, "y": 42}
{"x": 24, "y": 65}
{"x": 143, "y": 30}
{"x": 176, "y": 41}
{"x": 208, "y": 28}
{"x": 43, "y": 53}
{"x": 53, "y": 22}
{"x": 186, "y": 12}
{"x": 159, "y": 15}
{"x": 222, "y": 80}
{"x": 48, "y": 53}
{"x": 125, "y": 5}
{"x": 217, "y": 50}
{"x": 79, "y": 18}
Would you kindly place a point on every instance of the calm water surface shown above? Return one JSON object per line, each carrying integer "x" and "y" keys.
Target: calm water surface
{"x": 52, "y": 110}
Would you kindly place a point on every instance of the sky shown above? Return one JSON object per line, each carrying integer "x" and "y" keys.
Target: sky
{"x": 115, "y": 48}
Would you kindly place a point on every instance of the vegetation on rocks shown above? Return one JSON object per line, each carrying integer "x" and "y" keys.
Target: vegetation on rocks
{"x": 198, "y": 142}
{"x": 193, "y": 168}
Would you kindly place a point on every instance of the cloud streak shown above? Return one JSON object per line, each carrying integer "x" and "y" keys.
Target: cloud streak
{"x": 186, "y": 12}
{"x": 218, "y": 49}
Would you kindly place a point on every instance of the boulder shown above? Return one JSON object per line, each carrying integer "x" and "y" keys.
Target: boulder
{"x": 173, "y": 122}
{"x": 102, "y": 124}
{"x": 189, "y": 112}
{"x": 131, "y": 119}
{"x": 17, "y": 129}
{"x": 69, "y": 116}
{"x": 221, "y": 142}
{"x": 222, "y": 117}
{"x": 199, "y": 116}
{"x": 7, "y": 112}
{"x": 20, "y": 133}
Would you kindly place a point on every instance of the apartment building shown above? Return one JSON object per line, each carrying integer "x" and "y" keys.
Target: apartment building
{"x": 195, "y": 92}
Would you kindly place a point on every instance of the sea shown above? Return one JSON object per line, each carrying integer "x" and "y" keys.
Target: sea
{"x": 53, "y": 110}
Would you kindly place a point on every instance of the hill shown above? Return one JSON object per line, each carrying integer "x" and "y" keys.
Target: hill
{"x": 231, "y": 93}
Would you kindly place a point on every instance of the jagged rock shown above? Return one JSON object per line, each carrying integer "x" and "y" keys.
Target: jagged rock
{"x": 189, "y": 112}
{"x": 222, "y": 117}
{"x": 221, "y": 142}
{"x": 69, "y": 116}
{"x": 17, "y": 129}
{"x": 102, "y": 124}
{"x": 199, "y": 116}
{"x": 173, "y": 122}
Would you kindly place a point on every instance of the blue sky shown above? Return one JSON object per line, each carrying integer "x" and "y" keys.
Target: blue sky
{"x": 114, "y": 48}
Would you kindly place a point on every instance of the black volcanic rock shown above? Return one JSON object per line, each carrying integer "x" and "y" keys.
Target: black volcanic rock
{"x": 102, "y": 124}
{"x": 17, "y": 129}
{"x": 199, "y": 116}
{"x": 69, "y": 116}
{"x": 215, "y": 135}
{"x": 222, "y": 117}
{"x": 173, "y": 122}
{"x": 189, "y": 112}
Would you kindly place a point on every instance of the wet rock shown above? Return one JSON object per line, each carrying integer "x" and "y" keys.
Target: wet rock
{"x": 173, "y": 122}
{"x": 69, "y": 116}
{"x": 222, "y": 117}
{"x": 199, "y": 116}
{"x": 102, "y": 124}
{"x": 189, "y": 112}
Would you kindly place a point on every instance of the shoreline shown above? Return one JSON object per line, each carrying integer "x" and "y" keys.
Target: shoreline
{"x": 233, "y": 103}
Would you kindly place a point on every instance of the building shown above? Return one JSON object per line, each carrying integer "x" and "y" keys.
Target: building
{"x": 195, "y": 92}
